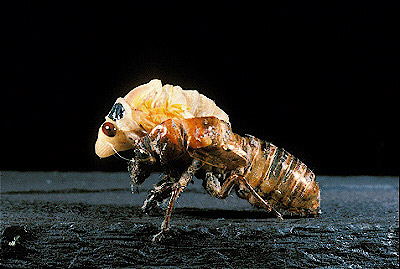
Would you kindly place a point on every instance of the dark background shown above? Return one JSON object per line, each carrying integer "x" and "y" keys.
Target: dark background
{"x": 317, "y": 80}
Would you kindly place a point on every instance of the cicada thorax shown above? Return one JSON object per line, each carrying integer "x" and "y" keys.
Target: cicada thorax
{"x": 281, "y": 179}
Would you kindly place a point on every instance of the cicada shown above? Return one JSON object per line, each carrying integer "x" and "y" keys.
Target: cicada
{"x": 199, "y": 142}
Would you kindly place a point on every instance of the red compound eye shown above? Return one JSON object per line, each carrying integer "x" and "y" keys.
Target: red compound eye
{"x": 109, "y": 129}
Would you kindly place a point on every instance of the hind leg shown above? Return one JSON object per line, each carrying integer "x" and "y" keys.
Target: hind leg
{"x": 242, "y": 181}
{"x": 215, "y": 189}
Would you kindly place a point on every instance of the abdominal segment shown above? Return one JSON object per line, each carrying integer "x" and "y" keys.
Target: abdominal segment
{"x": 281, "y": 179}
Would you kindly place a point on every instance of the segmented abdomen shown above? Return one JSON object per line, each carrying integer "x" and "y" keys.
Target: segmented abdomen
{"x": 281, "y": 179}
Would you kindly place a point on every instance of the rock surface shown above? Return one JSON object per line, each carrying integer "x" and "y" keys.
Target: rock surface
{"x": 73, "y": 220}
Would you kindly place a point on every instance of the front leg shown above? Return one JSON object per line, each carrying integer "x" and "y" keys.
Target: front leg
{"x": 139, "y": 171}
{"x": 160, "y": 192}
{"x": 142, "y": 164}
{"x": 177, "y": 188}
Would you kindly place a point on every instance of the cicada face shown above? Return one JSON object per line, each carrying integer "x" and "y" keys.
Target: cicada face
{"x": 119, "y": 132}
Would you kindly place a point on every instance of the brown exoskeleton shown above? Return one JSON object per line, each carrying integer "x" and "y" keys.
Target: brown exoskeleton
{"x": 259, "y": 172}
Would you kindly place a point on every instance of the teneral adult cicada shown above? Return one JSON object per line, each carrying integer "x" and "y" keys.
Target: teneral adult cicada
{"x": 203, "y": 145}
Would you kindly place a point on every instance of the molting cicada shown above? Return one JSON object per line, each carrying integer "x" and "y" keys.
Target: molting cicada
{"x": 184, "y": 134}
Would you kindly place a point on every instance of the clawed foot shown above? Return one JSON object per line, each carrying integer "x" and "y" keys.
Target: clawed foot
{"x": 277, "y": 214}
{"x": 279, "y": 217}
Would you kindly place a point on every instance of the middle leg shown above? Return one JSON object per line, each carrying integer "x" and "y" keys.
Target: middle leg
{"x": 157, "y": 195}
{"x": 177, "y": 188}
{"x": 212, "y": 184}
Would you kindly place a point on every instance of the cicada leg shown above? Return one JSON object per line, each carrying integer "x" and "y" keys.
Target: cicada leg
{"x": 177, "y": 188}
{"x": 215, "y": 189}
{"x": 243, "y": 181}
{"x": 160, "y": 192}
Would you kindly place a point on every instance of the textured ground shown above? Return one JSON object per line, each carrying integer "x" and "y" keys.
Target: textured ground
{"x": 91, "y": 220}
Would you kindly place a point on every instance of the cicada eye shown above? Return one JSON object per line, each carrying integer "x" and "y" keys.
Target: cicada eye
{"x": 109, "y": 129}
{"x": 117, "y": 112}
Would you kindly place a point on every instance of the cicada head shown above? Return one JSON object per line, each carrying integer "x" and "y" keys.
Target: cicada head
{"x": 119, "y": 132}
{"x": 124, "y": 124}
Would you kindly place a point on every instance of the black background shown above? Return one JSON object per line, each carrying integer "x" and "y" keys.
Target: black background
{"x": 317, "y": 80}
